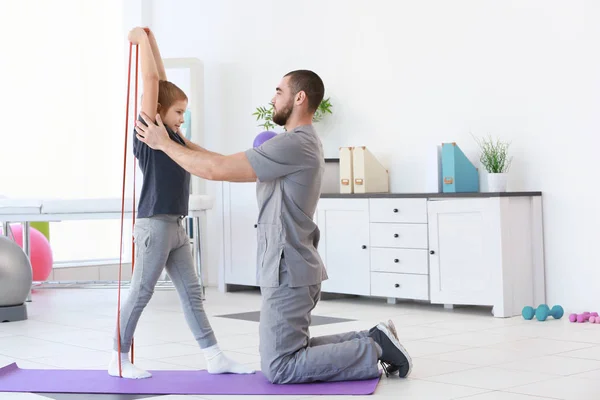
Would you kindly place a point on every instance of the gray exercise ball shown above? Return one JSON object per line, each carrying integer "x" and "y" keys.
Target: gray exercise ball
{"x": 15, "y": 273}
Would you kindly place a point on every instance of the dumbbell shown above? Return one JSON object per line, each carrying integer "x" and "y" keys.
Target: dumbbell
{"x": 542, "y": 312}
{"x": 528, "y": 312}
{"x": 595, "y": 319}
{"x": 582, "y": 317}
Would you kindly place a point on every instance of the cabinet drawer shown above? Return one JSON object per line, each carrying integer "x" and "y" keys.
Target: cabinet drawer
{"x": 407, "y": 261}
{"x": 401, "y": 286}
{"x": 411, "y": 236}
{"x": 398, "y": 210}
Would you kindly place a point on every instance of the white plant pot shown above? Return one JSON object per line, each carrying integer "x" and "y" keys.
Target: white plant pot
{"x": 497, "y": 182}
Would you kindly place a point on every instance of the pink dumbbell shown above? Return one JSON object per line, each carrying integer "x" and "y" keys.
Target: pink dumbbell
{"x": 582, "y": 317}
{"x": 594, "y": 319}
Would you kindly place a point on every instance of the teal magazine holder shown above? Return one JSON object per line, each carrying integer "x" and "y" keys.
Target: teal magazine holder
{"x": 459, "y": 175}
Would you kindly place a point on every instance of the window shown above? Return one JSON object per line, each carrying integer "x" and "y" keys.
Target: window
{"x": 63, "y": 103}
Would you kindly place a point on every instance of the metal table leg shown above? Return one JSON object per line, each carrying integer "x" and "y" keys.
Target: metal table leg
{"x": 198, "y": 252}
{"x": 27, "y": 249}
{"x": 5, "y": 228}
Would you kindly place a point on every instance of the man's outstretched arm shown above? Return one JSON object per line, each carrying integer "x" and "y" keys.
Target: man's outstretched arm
{"x": 211, "y": 166}
{"x": 197, "y": 161}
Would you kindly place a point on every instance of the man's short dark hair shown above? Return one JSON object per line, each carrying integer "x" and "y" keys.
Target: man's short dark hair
{"x": 310, "y": 83}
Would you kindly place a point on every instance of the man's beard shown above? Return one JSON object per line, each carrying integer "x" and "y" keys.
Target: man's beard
{"x": 281, "y": 116}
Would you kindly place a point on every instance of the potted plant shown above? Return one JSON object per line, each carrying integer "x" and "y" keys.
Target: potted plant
{"x": 494, "y": 158}
{"x": 266, "y": 114}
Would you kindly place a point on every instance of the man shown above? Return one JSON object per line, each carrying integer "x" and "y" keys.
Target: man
{"x": 288, "y": 170}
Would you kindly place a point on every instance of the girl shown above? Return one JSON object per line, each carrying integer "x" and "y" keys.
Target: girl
{"x": 160, "y": 238}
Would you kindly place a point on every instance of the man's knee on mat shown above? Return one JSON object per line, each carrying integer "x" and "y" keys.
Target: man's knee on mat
{"x": 273, "y": 370}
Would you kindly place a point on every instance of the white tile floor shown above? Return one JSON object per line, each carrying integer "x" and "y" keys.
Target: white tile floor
{"x": 458, "y": 354}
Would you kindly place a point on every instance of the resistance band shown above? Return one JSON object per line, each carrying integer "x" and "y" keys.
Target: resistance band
{"x": 123, "y": 195}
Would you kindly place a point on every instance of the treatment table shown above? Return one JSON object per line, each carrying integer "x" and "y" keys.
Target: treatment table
{"x": 26, "y": 211}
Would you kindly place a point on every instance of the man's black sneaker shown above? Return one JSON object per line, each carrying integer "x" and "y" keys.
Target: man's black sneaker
{"x": 394, "y": 357}
{"x": 390, "y": 369}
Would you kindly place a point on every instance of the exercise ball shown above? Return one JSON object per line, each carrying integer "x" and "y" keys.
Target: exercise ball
{"x": 263, "y": 137}
{"x": 15, "y": 274}
{"x": 43, "y": 227}
{"x": 40, "y": 252}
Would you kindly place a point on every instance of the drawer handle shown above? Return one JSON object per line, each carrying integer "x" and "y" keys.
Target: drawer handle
{"x": 396, "y": 260}
{"x": 395, "y": 210}
{"x": 396, "y": 235}
{"x": 431, "y": 252}
{"x": 397, "y": 285}
{"x": 255, "y": 225}
{"x": 364, "y": 246}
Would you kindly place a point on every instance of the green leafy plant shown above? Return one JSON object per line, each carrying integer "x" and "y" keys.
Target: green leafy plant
{"x": 266, "y": 114}
{"x": 494, "y": 155}
{"x": 324, "y": 108}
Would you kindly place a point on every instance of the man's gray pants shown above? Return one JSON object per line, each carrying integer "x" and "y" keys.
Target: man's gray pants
{"x": 288, "y": 353}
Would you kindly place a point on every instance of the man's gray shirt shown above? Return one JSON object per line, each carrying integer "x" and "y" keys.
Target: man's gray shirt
{"x": 289, "y": 168}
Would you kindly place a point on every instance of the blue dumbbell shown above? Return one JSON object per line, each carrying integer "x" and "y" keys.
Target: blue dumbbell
{"x": 542, "y": 312}
{"x": 528, "y": 312}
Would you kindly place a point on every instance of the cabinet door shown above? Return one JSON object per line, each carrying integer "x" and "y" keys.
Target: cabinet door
{"x": 464, "y": 256}
{"x": 344, "y": 245}
{"x": 241, "y": 214}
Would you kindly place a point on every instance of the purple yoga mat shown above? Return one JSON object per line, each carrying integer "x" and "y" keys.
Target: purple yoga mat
{"x": 15, "y": 379}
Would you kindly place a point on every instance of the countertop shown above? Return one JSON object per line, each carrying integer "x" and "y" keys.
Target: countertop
{"x": 426, "y": 195}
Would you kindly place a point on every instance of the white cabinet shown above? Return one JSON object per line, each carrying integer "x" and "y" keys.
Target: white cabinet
{"x": 399, "y": 261}
{"x": 398, "y": 210}
{"x": 406, "y": 236}
{"x": 402, "y": 286}
{"x": 483, "y": 250}
{"x": 487, "y": 251}
{"x": 463, "y": 243}
{"x": 240, "y": 218}
{"x": 344, "y": 245}
{"x": 399, "y": 265}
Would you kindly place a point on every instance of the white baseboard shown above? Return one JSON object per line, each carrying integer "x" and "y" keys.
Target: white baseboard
{"x": 87, "y": 263}
{"x": 90, "y": 271}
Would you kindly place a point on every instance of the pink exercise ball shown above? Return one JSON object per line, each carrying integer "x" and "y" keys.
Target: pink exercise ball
{"x": 40, "y": 251}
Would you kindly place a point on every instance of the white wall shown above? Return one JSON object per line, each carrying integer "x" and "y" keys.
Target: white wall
{"x": 62, "y": 103}
{"x": 407, "y": 75}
